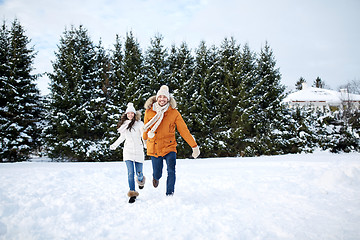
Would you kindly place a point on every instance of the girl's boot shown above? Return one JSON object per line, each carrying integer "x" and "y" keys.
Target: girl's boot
{"x": 132, "y": 195}
{"x": 142, "y": 183}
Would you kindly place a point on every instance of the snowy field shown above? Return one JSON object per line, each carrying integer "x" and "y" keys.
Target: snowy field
{"x": 308, "y": 196}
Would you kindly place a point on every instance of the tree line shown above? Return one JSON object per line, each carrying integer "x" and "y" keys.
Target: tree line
{"x": 229, "y": 95}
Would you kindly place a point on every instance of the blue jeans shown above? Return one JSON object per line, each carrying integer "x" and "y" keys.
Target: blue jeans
{"x": 139, "y": 173}
{"x": 157, "y": 164}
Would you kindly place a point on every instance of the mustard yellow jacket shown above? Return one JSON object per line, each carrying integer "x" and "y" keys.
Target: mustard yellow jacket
{"x": 164, "y": 140}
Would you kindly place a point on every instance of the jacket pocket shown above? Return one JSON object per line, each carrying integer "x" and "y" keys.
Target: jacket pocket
{"x": 150, "y": 145}
{"x": 170, "y": 143}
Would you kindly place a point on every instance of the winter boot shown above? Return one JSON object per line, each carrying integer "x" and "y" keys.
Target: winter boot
{"x": 132, "y": 199}
{"x": 132, "y": 195}
{"x": 142, "y": 183}
{"x": 155, "y": 183}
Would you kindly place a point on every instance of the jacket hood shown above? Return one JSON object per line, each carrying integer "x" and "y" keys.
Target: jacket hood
{"x": 138, "y": 116}
{"x": 148, "y": 104}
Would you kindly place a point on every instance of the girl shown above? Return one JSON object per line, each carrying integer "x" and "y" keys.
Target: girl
{"x": 130, "y": 129}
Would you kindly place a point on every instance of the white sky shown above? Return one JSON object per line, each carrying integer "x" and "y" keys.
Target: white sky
{"x": 310, "y": 38}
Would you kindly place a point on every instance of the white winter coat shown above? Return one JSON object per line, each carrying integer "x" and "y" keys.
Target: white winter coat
{"x": 133, "y": 147}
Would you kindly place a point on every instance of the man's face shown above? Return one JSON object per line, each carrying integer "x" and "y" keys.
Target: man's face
{"x": 162, "y": 100}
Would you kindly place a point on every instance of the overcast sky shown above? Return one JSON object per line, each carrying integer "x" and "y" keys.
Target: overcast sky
{"x": 310, "y": 38}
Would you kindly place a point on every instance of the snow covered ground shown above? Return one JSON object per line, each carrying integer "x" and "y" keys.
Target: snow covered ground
{"x": 308, "y": 196}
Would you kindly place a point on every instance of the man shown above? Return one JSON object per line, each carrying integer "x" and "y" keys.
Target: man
{"x": 161, "y": 118}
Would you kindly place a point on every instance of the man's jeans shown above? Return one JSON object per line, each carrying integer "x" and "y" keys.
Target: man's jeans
{"x": 139, "y": 173}
{"x": 157, "y": 164}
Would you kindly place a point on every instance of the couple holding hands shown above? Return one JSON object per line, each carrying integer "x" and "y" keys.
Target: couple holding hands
{"x": 157, "y": 135}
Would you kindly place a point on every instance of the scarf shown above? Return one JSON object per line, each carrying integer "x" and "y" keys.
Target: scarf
{"x": 156, "y": 120}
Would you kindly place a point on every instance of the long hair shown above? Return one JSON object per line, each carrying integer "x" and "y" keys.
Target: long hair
{"x": 124, "y": 118}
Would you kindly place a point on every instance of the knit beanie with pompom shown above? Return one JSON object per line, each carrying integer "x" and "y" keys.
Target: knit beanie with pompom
{"x": 164, "y": 90}
{"x": 130, "y": 108}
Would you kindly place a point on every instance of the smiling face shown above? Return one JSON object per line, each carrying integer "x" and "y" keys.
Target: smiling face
{"x": 130, "y": 115}
{"x": 162, "y": 100}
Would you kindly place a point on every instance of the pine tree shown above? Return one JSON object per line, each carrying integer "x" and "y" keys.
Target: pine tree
{"x": 299, "y": 83}
{"x": 96, "y": 112}
{"x": 268, "y": 96}
{"x": 5, "y": 90}
{"x": 21, "y": 103}
{"x": 156, "y": 66}
{"x": 173, "y": 72}
{"x": 227, "y": 87}
{"x": 300, "y": 130}
{"x": 205, "y": 77}
{"x": 243, "y": 116}
{"x": 117, "y": 79}
{"x": 133, "y": 70}
{"x": 336, "y": 133}
{"x": 100, "y": 110}
{"x": 75, "y": 85}
{"x": 126, "y": 85}
{"x": 180, "y": 65}
{"x": 318, "y": 83}
{"x": 116, "y": 91}
{"x": 7, "y": 96}
{"x": 354, "y": 123}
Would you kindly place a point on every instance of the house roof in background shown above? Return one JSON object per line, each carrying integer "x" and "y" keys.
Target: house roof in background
{"x": 312, "y": 94}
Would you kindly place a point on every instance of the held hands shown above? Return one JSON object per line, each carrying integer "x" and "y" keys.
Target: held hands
{"x": 112, "y": 147}
{"x": 144, "y": 143}
{"x": 196, "y": 152}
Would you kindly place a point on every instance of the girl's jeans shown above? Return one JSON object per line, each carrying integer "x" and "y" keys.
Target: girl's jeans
{"x": 157, "y": 164}
{"x": 139, "y": 173}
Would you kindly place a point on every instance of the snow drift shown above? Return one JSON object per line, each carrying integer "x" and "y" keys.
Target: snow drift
{"x": 306, "y": 196}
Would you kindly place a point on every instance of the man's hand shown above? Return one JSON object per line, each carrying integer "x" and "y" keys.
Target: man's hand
{"x": 196, "y": 152}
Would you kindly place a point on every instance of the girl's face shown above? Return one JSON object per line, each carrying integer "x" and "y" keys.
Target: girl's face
{"x": 130, "y": 115}
{"x": 162, "y": 100}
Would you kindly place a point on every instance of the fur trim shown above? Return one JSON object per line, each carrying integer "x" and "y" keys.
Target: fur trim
{"x": 142, "y": 183}
{"x": 133, "y": 194}
{"x": 148, "y": 104}
{"x": 138, "y": 116}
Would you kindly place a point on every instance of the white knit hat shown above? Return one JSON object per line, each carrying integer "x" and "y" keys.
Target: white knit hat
{"x": 164, "y": 90}
{"x": 130, "y": 108}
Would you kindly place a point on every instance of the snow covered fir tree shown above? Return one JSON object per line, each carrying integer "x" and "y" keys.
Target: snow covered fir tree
{"x": 230, "y": 96}
{"x": 79, "y": 106}
{"x": 20, "y": 101}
